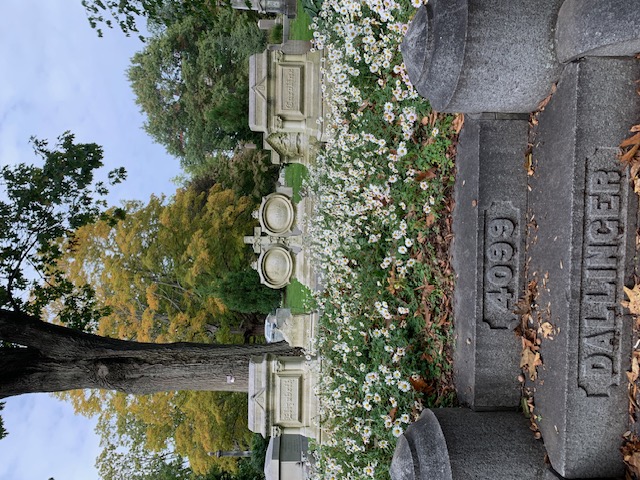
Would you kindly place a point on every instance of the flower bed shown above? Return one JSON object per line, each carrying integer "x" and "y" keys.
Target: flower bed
{"x": 383, "y": 187}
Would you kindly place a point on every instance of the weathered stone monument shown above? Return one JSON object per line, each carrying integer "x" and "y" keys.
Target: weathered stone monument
{"x": 276, "y": 240}
{"x": 285, "y": 7}
{"x": 281, "y": 397}
{"x": 285, "y": 101}
{"x": 582, "y": 253}
{"x": 550, "y": 205}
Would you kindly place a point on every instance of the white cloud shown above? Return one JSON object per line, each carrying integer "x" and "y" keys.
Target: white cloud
{"x": 46, "y": 440}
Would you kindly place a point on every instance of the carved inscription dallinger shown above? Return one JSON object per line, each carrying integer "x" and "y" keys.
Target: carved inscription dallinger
{"x": 602, "y": 272}
{"x": 501, "y": 265}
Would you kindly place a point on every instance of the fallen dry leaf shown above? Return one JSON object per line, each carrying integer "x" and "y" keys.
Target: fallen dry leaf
{"x": 630, "y": 157}
{"x": 631, "y": 141}
{"x": 426, "y": 175}
{"x": 635, "y": 370}
{"x": 544, "y": 102}
{"x": 457, "y": 123}
{"x": 631, "y": 455}
{"x": 420, "y": 385}
{"x": 393, "y": 412}
{"x": 634, "y": 300}
{"x": 547, "y": 330}
{"x": 430, "y": 219}
{"x": 529, "y": 361}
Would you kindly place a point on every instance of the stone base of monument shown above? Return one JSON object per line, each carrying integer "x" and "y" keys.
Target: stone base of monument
{"x": 582, "y": 253}
{"x": 488, "y": 258}
{"x": 286, "y": 458}
{"x": 452, "y": 443}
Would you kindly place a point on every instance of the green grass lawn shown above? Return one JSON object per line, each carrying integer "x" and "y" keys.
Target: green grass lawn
{"x": 294, "y": 174}
{"x": 298, "y": 298}
{"x": 299, "y": 27}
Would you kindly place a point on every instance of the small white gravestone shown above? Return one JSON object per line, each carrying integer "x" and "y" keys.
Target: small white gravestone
{"x": 281, "y": 397}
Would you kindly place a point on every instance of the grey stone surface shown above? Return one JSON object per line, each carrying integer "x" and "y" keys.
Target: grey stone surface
{"x": 581, "y": 254}
{"x": 483, "y": 55}
{"x": 551, "y": 474}
{"x": 596, "y": 28}
{"x": 488, "y": 259}
{"x": 285, "y": 458}
{"x": 491, "y": 445}
{"x": 421, "y": 452}
{"x": 457, "y": 443}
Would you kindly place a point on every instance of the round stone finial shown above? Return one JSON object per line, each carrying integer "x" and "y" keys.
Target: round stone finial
{"x": 277, "y": 214}
{"x": 421, "y": 452}
{"x": 275, "y": 266}
{"x": 434, "y": 49}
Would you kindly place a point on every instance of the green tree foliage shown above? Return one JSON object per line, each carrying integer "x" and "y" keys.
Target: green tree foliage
{"x": 124, "y": 14}
{"x": 43, "y": 205}
{"x": 3, "y": 432}
{"x": 248, "y": 172}
{"x": 241, "y": 291}
{"x": 191, "y": 81}
{"x": 151, "y": 435}
{"x": 150, "y": 269}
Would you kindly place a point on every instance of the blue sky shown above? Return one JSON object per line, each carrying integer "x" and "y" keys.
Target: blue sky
{"x": 57, "y": 75}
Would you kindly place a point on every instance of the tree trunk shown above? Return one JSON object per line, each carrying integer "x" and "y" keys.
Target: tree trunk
{"x": 58, "y": 358}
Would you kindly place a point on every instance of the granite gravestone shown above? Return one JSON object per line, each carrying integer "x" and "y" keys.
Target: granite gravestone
{"x": 488, "y": 258}
{"x": 582, "y": 253}
{"x": 582, "y": 212}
